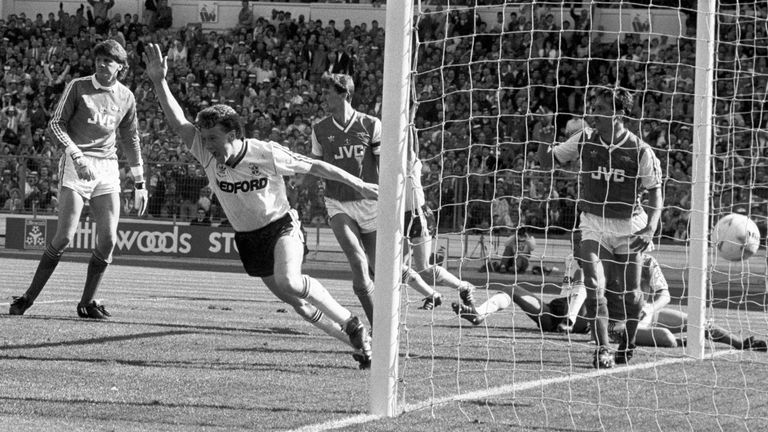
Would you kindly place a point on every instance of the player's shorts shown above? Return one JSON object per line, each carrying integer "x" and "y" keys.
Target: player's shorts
{"x": 558, "y": 308}
{"x": 106, "y": 171}
{"x": 257, "y": 248}
{"x": 361, "y": 211}
{"x": 419, "y": 223}
{"x": 612, "y": 234}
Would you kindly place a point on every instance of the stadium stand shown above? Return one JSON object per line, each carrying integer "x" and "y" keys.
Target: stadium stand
{"x": 270, "y": 74}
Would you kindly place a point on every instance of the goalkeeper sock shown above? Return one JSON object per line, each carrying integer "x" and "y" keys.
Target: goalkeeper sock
{"x": 96, "y": 269}
{"x": 45, "y": 268}
{"x": 316, "y": 294}
{"x": 329, "y": 327}
{"x": 497, "y": 302}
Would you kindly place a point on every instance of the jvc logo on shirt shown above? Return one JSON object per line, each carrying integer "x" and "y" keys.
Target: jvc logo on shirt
{"x": 103, "y": 119}
{"x": 349, "y": 151}
{"x": 609, "y": 174}
{"x": 243, "y": 186}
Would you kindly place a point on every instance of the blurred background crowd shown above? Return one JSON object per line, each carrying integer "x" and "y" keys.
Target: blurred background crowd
{"x": 488, "y": 93}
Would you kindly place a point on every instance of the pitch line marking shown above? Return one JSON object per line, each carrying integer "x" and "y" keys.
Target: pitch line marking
{"x": 501, "y": 390}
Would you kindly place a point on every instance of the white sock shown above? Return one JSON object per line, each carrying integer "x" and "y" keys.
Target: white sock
{"x": 330, "y": 328}
{"x": 318, "y": 296}
{"x": 497, "y": 302}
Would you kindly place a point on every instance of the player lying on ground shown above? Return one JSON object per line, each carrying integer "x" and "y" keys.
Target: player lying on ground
{"x": 565, "y": 313}
{"x": 247, "y": 177}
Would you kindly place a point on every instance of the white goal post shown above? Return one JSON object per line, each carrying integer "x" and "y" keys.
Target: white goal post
{"x": 400, "y": 74}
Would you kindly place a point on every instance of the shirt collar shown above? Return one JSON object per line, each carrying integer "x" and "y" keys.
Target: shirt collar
{"x": 98, "y": 85}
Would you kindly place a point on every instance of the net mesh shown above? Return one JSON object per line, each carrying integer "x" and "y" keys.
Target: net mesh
{"x": 494, "y": 80}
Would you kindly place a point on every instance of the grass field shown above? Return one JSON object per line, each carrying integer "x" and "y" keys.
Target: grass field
{"x": 191, "y": 350}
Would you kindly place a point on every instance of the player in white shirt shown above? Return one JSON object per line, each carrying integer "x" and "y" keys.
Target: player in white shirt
{"x": 94, "y": 114}
{"x": 247, "y": 177}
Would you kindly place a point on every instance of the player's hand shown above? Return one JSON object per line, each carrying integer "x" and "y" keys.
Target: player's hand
{"x": 646, "y": 316}
{"x": 642, "y": 239}
{"x": 84, "y": 169}
{"x": 140, "y": 198}
{"x": 157, "y": 63}
{"x": 370, "y": 191}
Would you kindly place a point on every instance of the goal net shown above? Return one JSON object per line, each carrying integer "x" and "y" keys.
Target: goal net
{"x": 493, "y": 80}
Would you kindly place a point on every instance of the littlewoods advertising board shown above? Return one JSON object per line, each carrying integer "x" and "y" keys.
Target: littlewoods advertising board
{"x": 133, "y": 238}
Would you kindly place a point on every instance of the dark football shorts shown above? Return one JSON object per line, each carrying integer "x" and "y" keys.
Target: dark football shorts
{"x": 558, "y": 310}
{"x": 419, "y": 223}
{"x": 257, "y": 248}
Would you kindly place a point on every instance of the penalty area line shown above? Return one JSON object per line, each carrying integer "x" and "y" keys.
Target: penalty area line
{"x": 501, "y": 390}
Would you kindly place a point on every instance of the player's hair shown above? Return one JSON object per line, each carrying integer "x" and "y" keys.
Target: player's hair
{"x": 622, "y": 99}
{"x": 223, "y": 115}
{"x": 342, "y": 83}
{"x": 112, "y": 49}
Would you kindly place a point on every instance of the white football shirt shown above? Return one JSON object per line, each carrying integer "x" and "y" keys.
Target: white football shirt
{"x": 250, "y": 187}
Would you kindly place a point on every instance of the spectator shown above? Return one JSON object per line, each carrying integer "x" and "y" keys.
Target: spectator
{"x": 163, "y": 16}
{"x": 201, "y": 219}
{"x": 245, "y": 18}
{"x": 101, "y": 8}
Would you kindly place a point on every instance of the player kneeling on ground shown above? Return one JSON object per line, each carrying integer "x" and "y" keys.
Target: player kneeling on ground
{"x": 663, "y": 326}
{"x": 247, "y": 177}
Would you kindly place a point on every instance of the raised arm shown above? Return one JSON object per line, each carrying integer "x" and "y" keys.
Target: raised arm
{"x": 157, "y": 67}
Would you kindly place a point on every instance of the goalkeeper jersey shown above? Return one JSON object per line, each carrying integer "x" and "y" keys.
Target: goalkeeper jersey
{"x": 353, "y": 148}
{"x": 250, "y": 186}
{"x": 94, "y": 117}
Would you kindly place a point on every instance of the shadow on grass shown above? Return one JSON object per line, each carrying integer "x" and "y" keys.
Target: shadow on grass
{"x": 266, "y": 330}
{"x": 92, "y": 341}
{"x": 165, "y": 404}
{"x": 203, "y": 364}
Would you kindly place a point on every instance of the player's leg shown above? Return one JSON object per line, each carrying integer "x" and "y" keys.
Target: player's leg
{"x": 476, "y": 315}
{"x": 630, "y": 267}
{"x": 308, "y": 296}
{"x": 432, "y": 298}
{"x": 528, "y": 302}
{"x": 350, "y": 240}
{"x": 594, "y": 282}
{"x": 677, "y": 322}
{"x": 70, "y": 206}
{"x": 106, "y": 213}
{"x": 434, "y": 273}
{"x": 655, "y": 337}
{"x": 596, "y": 305}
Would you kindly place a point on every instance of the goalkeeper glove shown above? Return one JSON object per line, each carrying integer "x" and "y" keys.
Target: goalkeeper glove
{"x": 140, "y": 198}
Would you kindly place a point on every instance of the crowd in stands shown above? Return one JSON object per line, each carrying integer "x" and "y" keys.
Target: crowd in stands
{"x": 488, "y": 92}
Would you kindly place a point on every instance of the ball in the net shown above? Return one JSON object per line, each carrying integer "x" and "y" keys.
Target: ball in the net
{"x": 735, "y": 237}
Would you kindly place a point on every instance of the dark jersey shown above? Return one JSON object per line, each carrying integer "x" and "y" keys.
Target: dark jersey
{"x": 612, "y": 176}
{"x": 353, "y": 148}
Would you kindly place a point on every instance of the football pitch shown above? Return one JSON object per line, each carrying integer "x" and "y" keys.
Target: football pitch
{"x": 189, "y": 350}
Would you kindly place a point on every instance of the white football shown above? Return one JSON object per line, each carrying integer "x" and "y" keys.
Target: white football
{"x": 735, "y": 237}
